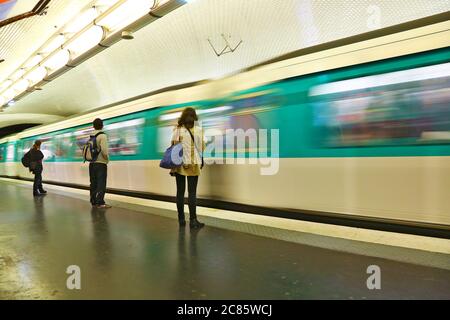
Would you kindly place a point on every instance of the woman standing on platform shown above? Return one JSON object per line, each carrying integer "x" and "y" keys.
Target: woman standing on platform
{"x": 191, "y": 137}
{"x": 36, "y": 167}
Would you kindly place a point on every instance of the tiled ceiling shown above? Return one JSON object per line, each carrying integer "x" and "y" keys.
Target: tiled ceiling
{"x": 176, "y": 49}
{"x": 19, "y": 40}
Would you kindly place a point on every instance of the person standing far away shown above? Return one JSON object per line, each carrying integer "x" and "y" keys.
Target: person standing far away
{"x": 190, "y": 136}
{"x": 36, "y": 167}
{"x": 99, "y": 167}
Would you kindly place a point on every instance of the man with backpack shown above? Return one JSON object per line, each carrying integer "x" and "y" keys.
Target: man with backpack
{"x": 33, "y": 161}
{"x": 96, "y": 152}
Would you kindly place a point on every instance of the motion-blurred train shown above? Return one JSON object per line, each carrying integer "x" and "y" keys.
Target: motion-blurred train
{"x": 364, "y": 131}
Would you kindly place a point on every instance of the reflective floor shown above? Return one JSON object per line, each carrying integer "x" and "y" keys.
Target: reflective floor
{"x": 124, "y": 254}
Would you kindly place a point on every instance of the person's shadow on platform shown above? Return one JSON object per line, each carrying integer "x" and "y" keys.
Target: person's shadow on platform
{"x": 186, "y": 284}
{"x": 39, "y": 220}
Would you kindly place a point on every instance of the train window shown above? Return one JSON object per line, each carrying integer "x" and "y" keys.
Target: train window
{"x": 81, "y": 137}
{"x": 48, "y": 148}
{"x": 62, "y": 145}
{"x": 125, "y": 138}
{"x": 166, "y": 122}
{"x": 213, "y": 120}
{"x": 10, "y": 152}
{"x": 403, "y": 107}
{"x": 26, "y": 145}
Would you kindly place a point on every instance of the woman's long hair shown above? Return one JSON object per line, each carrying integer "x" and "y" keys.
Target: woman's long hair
{"x": 188, "y": 118}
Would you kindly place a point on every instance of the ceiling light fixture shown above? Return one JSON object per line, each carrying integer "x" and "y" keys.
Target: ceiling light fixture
{"x": 127, "y": 35}
{"x": 124, "y": 14}
{"x": 56, "y": 60}
{"x": 36, "y": 75}
{"x": 55, "y": 43}
{"x": 86, "y": 40}
{"x": 33, "y": 61}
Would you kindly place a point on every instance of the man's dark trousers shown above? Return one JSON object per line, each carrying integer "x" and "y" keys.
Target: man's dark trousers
{"x": 98, "y": 175}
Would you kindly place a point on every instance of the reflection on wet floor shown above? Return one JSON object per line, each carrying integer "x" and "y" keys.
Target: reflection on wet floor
{"x": 102, "y": 242}
{"x": 124, "y": 254}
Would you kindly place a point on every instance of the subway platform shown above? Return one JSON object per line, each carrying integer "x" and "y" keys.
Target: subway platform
{"x": 137, "y": 251}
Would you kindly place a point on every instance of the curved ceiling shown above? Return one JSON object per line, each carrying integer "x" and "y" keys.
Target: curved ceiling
{"x": 19, "y": 40}
{"x": 181, "y": 47}
{"x": 20, "y": 118}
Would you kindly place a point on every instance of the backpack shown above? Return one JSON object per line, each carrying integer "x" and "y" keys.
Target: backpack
{"x": 91, "y": 149}
{"x": 26, "y": 159}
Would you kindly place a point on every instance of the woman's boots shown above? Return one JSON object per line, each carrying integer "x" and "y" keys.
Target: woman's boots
{"x": 195, "y": 224}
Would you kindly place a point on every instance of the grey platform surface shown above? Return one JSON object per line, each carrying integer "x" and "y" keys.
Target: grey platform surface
{"x": 125, "y": 254}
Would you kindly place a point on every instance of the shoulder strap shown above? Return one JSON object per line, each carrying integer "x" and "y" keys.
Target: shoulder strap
{"x": 95, "y": 145}
{"x": 193, "y": 140}
{"x": 192, "y": 136}
{"x": 84, "y": 154}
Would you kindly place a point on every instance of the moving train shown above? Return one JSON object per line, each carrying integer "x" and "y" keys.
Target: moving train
{"x": 361, "y": 130}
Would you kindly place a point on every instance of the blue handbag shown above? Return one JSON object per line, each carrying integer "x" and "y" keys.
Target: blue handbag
{"x": 173, "y": 157}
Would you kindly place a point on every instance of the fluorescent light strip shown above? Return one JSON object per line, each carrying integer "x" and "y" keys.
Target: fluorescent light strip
{"x": 176, "y": 115}
{"x": 121, "y": 125}
{"x": 125, "y": 14}
{"x": 50, "y": 47}
{"x": 170, "y": 116}
{"x": 88, "y": 32}
{"x": 218, "y": 109}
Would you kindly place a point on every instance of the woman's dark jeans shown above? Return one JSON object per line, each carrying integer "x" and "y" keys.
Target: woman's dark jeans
{"x": 192, "y": 196}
